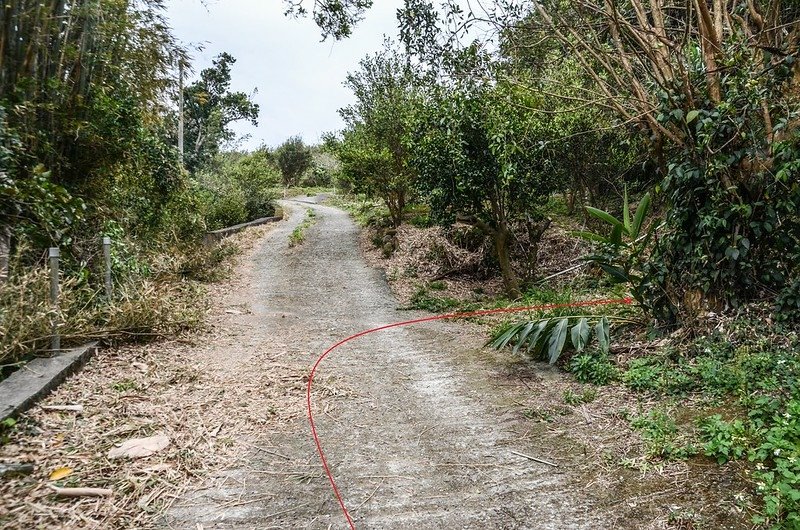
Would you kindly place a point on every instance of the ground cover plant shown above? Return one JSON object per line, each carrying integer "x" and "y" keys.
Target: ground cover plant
{"x": 298, "y": 235}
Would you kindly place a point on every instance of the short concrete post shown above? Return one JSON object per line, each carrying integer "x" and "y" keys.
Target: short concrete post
{"x": 55, "y": 254}
{"x": 5, "y": 252}
{"x": 107, "y": 259}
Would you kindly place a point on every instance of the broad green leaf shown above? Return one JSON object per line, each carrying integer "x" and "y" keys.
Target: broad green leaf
{"x": 732, "y": 253}
{"x": 558, "y": 337}
{"x": 626, "y": 211}
{"x": 602, "y": 332}
{"x": 638, "y": 218}
{"x": 604, "y": 216}
{"x": 616, "y": 273}
{"x": 616, "y": 235}
{"x": 580, "y": 335}
{"x": 536, "y": 341}
{"x": 691, "y": 116}
{"x": 500, "y": 342}
{"x": 523, "y": 335}
{"x": 591, "y": 236}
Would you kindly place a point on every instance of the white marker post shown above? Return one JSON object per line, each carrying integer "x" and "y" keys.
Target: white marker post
{"x": 107, "y": 259}
{"x": 55, "y": 254}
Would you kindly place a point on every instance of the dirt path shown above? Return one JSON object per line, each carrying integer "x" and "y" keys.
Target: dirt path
{"x": 417, "y": 430}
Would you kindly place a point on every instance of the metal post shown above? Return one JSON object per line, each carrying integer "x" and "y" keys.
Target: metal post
{"x": 107, "y": 258}
{"x": 55, "y": 254}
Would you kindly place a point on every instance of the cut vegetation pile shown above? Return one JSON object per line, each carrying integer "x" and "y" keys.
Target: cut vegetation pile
{"x": 457, "y": 264}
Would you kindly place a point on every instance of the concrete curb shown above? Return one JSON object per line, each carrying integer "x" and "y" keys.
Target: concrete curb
{"x": 212, "y": 237}
{"x": 33, "y": 381}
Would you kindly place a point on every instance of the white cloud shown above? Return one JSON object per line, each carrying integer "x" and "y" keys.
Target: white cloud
{"x": 298, "y": 78}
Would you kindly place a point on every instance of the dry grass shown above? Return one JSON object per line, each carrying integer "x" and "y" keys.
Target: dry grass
{"x": 183, "y": 388}
{"x": 134, "y": 392}
{"x": 168, "y": 299}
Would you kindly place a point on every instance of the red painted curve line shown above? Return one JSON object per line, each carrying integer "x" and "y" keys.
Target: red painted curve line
{"x": 328, "y": 472}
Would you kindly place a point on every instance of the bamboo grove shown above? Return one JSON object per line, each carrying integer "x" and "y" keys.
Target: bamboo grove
{"x": 84, "y": 87}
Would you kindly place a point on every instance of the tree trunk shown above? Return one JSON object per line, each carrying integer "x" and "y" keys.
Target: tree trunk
{"x": 535, "y": 233}
{"x": 572, "y": 192}
{"x": 501, "y": 237}
{"x": 396, "y": 203}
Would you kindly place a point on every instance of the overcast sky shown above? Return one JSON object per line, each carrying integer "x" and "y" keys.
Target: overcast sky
{"x": 298, "y": 78}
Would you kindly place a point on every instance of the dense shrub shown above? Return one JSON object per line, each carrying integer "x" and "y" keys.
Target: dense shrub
{"x": 238, "y": 188}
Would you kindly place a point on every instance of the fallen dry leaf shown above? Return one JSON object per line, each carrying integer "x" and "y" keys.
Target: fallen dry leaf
{"x": 139, "y": 447}
{"x": 60, "y": 472}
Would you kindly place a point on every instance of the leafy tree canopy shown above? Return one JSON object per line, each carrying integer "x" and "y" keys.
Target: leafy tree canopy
{"x": 293, "y": 158}
{"x": 374, "y": 153}
{"x": 336, "y": 18}
{"x": 210, "y": 109}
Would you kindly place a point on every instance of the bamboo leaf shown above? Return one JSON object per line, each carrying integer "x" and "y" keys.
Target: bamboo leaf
{"x": 641, "y": 212}
{"x": 500, "y": 342}
{"x": 536, "y": 342}
{"x": 580, "y": 334}
{"x": 604, "y": 216}
{"x": 616, "y": 235}
{"x": 602, "y": 332}
{"x": 616, "y": 273}
{"x": 626, "y": 211}
{"x": 591, "y": 236}
{"x": 558, "y": 337}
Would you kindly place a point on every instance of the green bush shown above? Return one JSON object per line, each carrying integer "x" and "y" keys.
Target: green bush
{"x": 777, "y": 458}
{"x": 770, "y": 438}
{"x": 573, "y": 398}
{"x": 754, "y": 372}
{"x": 238, "y": 188}
{"x": 595, "y": 368}
{"x": 645, "y": 374}
{"x": 424, "y": 301}
{"x": 224, "y": 202}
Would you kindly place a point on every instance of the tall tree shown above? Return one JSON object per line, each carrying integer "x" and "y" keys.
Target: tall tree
{"x": 336, "y": 18}
{"x": 84, "y": 82}
{"x": 293, "y": 158}
{"x": 713, "y": 87}
{"x": 373, "y": 153}
{"x": 481, "y": 160}
{"x": 210, "y": 109}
